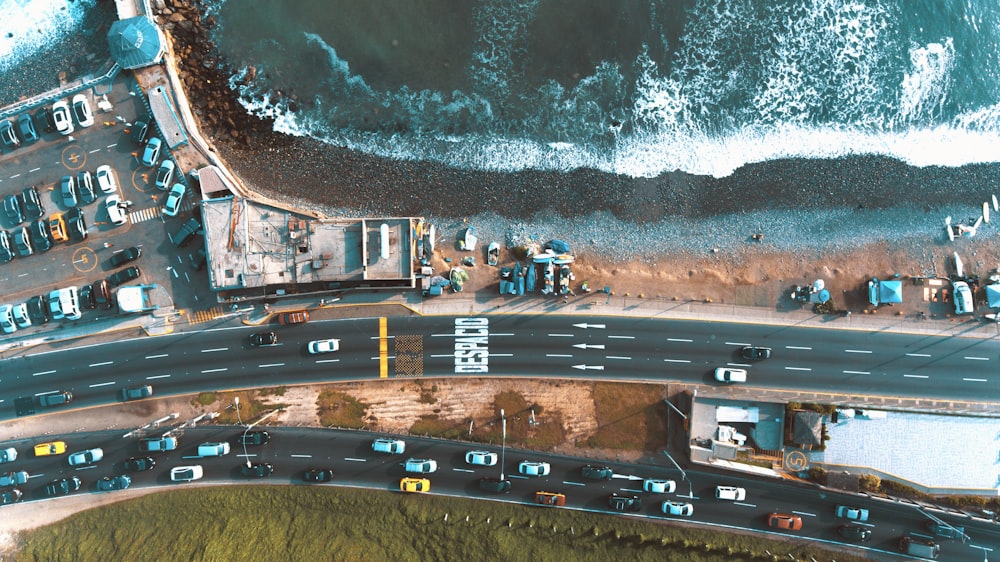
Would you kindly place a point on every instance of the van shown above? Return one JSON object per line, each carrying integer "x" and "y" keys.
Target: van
{"x": 919, "y": 547}
{"x": 13, "y": 479}
{"x": 730, "y": 493}
{"x": 213, "y": 449}
{"x": 65, "y": 303}
{"x": 55, "y": 399}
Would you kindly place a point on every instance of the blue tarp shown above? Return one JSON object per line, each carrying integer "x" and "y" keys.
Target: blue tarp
{"x": 559, "y": 247}
{"x": 885, "y": 292}
{"x": 993, "y": 296}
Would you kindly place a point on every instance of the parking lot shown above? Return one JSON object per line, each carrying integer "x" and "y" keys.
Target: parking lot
{"x": 48, "y": 163}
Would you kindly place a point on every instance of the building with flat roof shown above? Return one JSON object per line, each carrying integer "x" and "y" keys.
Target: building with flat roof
{"x": 257, "y": 251}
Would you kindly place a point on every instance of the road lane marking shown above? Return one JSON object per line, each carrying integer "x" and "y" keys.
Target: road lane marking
{"x": 517, "y": 476}
{"x": 974, "y": 380}
{"x": 617, "y": 357}
{"x": 86, "y": 467}
{"x": 462, "y": 470}
{"x": 560, "y": 335}
{"x": 798, "y": 347}
{"x": 630, "y": 490}
{"x": 557, "y": 355}
{"x": 856, "y": 372}
{"x": 745, "y": 504}
{"x": 677, "y": 360}
{"x": 158, "y": 356}
{"x": 102, "y": 364}
{"x": 34, "y": 170}
{"x": 157, "y": 377}
{"x": 679, "y": 340}
{"x": 301, "y": 456}
{"x": 568, "y": 483}
{"x": 95, "y": 150}
{"x": 977, "y": 358}
{"x": 265, "y": 365}
{"x": 327, "y": 360}
{"x": 353, "y": 459}
{"x": 738, "y": 364}
{"x": 206, "y": 371}
{"x": 918, "y": 354}
{"x": 737, "y": 343}
{"x": 95, "y": 385}
{"x": 856, "y": 351}
{"x": 42, "y": 373}
{"x": 806, "y": 513}
{"x": 916, "y": 376}
{"x": 214, "y": 350}
{"x": 621, "y": 337}
{"x": 798, "y": 369}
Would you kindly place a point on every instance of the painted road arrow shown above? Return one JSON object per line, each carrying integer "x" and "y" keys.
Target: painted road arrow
{"x": 591, "y": 367}
{"x": 589, "y": 346}
{"x": 585, "y": 326}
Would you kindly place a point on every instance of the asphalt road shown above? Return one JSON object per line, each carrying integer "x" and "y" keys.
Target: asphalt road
{"x": 645, "y": 349}
{"x": 349, "y": 454}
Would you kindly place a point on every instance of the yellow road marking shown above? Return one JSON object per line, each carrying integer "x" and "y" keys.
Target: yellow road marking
{"x": 383, "y": 348}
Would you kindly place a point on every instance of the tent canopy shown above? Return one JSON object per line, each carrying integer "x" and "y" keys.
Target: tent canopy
{"x": 885, "y": 292}
{"x": 136, "y": 42}
{"x": 993, "y": 296}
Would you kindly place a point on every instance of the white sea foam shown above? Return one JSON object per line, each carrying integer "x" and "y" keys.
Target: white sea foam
{"x": 27, "y": 26}
{"x": 925, "y": 87}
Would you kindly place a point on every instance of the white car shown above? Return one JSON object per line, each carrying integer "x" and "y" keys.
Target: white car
{"x": 730, "y": 493}
{"x": 164, "y": 174}
{"x": 186, "y": 473}
{"x": 678, "y": 508}
{"x": 174, "y": 200}
{"x": 113, "y": 204}
{"x": 90, "y": 456}
{"x": 531, "y": 468}
{"x": 392, "y": 446}
{"x": 106, "y": 179}
{"x": 420, "y": 466}
{"x": 481, "y": 458}
{"x": 659, "y": 486}
{"x": 323, "y": 346}
{"x": 8, "y": 455}
{"x": 21, "y": 316}
{"x": 62, "y": 118}
{"x": 725, "y": 374}
{"x": 81, "y": 109}
{"x": 962, "y": 296}
{"x": 7, "y": 319}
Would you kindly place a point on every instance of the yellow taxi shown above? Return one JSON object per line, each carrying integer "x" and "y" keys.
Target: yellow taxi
{"x": 415, "y": 485}
{"x": 57, "y": 227}
{"x": 53, "y": 448}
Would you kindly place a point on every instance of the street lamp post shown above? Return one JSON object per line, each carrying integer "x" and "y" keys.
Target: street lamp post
{"x": 503, "y": 441}
{"x": 683, "y": 474}
{"x": 246, "y": 455}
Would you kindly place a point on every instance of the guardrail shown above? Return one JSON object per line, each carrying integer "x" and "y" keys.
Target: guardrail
{"x": 53, "y": 95}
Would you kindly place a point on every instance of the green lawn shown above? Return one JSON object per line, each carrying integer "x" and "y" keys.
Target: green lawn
{"x": 301, "y": 523}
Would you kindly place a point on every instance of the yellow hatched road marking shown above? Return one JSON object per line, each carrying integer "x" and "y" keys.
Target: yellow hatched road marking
{"x": 383, "y": 348}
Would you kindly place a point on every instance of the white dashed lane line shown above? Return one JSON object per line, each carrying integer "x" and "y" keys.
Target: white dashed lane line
{"x": 916, "y": 376}
{"x": 856, "y": 351}
{"x": 214, "y": 350}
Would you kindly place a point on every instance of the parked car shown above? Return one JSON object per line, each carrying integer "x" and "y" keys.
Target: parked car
{"x": 852, "y": 513}
{"x": 391, "y": 446}
{"x": 85, "y": 188}
{"x": 139, "y": 131}
{"x": 854, "y": 532}
{"x": 415, "y": 485}
{"x": 186, "y": 233}
{"x": 213, "y": 449}
{"x": 87, "y": 297}
{"x": 186, "y": 473}
{"x": 682, "y": 509}
{"x": 151, "y": 154}
{"x": 256, "y": 437}
{"x": 962, "y": 296}
{"x": 7, "y": 323}
{"x": 531, "y": 468}
{"x": 57, "y": 228}
{"x": 81, "y": 109}
{"x": 730, "y": 493}
{"x": 61, "y": 117}
{"x": 784, "y": 522}
{"x": 597, "y": 472}
{"x": 8, "y": 135}
{"x": 550, "y": 498}
{"x": 38, "y": 308}
{"x": 26, "y": 127}
{"x": 76, "y": 226}
{"x": 624, "y": 503}
{"x": 22, "y": 242}
{"x": 45, "y": 121}
{"x": 139, "y": 464}
{"x": 495, "y": 485}
{"x": 263, "y": 338}
{"x": 8, "y": 454}
{"x": 316, "y": 347}
{"x": 116, "y": 212}
{"x": 31, "y": 203}
{"x": 106, "y": 181}
{"x": 63, "y": 486}
{"x": 123, "y": 276}
{"x": 318, "y": 475}
{"x": 12, "y": 210}
{"x": 755, "y": 353}
{"x": 111, "y": 483}
{"x": 13, "y": 495}
{"x": 125, "y": 256}
{"x": 164, "y": 174}
{"x": 137, "y": 392}
{"x": 82, "y": 458}
{"x": 729, "y": 375}
{"x": 68, "y": 190}
{"x": 6, "y": 250}
{"x": 21, "y": 316}
{"x": 174, "y": 200}
{"x": 295, "y": 317}
{"x": 51, "y": 448}
{"x": 420, "y": 466}
{"x": 481, "y": 458}
{"x": 257, "y": 469}
{"x": 102, "y": 295}
{"x": 659, "y": 486}
{"x": 40, "y": 235}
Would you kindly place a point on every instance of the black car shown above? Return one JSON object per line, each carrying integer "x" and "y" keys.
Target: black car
{"x": 597, "y": 472}
{"x": 87, "y": 297}
{"x": 258, "y": 437}
{"x": 263, "y": 338}
{"x": 318, "y": 475}
{"x": 125, "y": 256}
{"x": 495, "y": 485}
{"x": 38, "y": 309}
{"x": 139, "y": 464}
{"x": 12, "y": 208}
{"x": 624, "y": 503}
{"x": 257, "y": 469}
{"x": 10, "y": 496}
{"x": 102, "y": 295}
{"x": 26, "y": 127}
{"x": 854, "y": 532}
{"x": 6, "y": 252}
{"x": 44, "y": 119}
{"x": 41, "y": 235}
{"x": 31, "y": 203}
{"x": 755, "y": 353}
{"x": 76, "y": 224}
{"x": 124, "y": 276}
{"x": 8, "y": 135}
{"x": 139, "y": 131}
{"x": 63, "y": 486}
{"x": 111, "y": 483}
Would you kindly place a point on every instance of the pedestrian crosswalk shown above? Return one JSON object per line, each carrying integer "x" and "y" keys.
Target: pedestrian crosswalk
{"x": 201, "y": 316}
{"x": 144, "y": 215}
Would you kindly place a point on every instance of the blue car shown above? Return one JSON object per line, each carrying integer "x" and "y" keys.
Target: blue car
{"x": 151, "y": 154}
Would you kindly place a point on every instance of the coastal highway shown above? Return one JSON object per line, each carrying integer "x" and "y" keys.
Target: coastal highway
{"x": 349, "y": 454}
{"x": 638, "y": 349}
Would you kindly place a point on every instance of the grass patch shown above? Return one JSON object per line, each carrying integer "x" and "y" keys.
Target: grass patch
{"x": 328, "y": 523}
{"x": 629, "y": 417}
{"x": 250, "y": 407}
{"x": 273, "y": 391}
{"x": 434, "y": 426}
{"x": 204, "y": 399}
{"x": 547, "y": 431}
{"x": 338, "y": 409}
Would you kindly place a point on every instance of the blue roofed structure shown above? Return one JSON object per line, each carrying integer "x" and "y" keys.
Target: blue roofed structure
{"x": 136, "y": 42}
{"x": 885, "y": 292}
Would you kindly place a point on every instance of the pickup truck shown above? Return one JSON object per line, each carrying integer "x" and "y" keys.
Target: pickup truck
{"x": 55, "y": 399}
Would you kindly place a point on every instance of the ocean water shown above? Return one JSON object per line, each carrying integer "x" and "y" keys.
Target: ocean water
{"x": 631, "y": 87}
